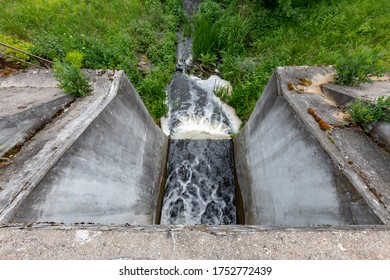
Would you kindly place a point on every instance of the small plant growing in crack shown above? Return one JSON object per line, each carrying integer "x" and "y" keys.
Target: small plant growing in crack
{"x": 366, "y": 114}
{"x": 69, "y": 75}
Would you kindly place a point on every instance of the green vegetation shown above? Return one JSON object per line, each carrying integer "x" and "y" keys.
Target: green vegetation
{"x": 357, "y": 67}
{"x": 71, "y": 78}
{"x": 15, "y": 42}
{"x": 249, "y": 38}
{"x": 366, "y": 114}
{"x": 110, "y": 34}
{"x": 245, "y": 40}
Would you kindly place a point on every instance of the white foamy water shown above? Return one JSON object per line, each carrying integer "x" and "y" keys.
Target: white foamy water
{"x": 195, "y": 112}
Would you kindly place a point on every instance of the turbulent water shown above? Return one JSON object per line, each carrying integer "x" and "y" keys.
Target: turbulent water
{"x": 194, "y": 110}
{"x": 200, "y": 183}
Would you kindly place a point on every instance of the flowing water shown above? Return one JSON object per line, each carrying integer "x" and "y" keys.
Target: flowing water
{"x": 200, "y": 175}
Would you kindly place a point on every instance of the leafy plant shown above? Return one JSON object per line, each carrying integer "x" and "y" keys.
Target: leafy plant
{"x": 208, "y": 60}
{"x": 357, "y": 67}
{"x": 71, "y": 78}
{"x": 366, "y": 114}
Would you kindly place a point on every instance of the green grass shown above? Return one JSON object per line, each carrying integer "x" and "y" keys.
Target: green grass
{"x": 250, "y": 38}
{"x": 245, "y": 40}
{"x": 110, "y": 34}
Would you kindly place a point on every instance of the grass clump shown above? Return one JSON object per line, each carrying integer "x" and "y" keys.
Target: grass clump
{"x": 366, "y": 114}
{"x": 357, "y": 67}
{"x": 69, "y": 75}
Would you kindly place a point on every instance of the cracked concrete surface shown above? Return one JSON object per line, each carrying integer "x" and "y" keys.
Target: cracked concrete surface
{"x": 225, "y": 242}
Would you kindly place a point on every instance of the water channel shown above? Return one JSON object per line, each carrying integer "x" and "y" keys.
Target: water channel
{"x": 200, "y": 185}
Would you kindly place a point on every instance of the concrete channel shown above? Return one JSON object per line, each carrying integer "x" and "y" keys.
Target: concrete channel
{"x": 97, "y": 169}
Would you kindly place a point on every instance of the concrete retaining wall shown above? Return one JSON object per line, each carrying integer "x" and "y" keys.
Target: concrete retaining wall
{"x": 112, "y": 172}
{"x": 285, "y": 175}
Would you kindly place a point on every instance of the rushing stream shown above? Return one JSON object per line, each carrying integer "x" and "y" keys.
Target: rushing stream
{"x": 200, "y": 175}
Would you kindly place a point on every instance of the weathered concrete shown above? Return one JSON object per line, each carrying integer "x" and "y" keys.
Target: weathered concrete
{"x": 342, "y": 95}
{"x": 346, "y": 95}
{"x": 332, "y": 174}
{"x": 28, "y": 100}
{"x": 110, "y": 171}
{"x": 381, "y": 132}
{"x": 200, "y": 242}
{"x": 290, "y": 171}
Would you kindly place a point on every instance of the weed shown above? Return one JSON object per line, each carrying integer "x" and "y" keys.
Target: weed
{"x": 71, "y": 79}
{"x": 357, "y": 67}
{"x": 75, "y": 58}
{"x": 153, "y": 91}
{"x": 367, "y": 114}
{"x": 208, "y": 60}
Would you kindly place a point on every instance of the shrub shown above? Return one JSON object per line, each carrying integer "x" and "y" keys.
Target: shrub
{"x": 71, "y": 79}
{"x": 367, "y": 114}
{"x": 357, "y": 67}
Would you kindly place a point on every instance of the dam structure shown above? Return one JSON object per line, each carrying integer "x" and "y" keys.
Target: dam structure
{"x": 97, "y": 178}
{"x": 98, "y": 164}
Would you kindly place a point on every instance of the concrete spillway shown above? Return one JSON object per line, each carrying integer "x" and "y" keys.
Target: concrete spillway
{"x": 103, "y": 160}
{"x": 286, "y": 176}
{"x": 110, "y": 174}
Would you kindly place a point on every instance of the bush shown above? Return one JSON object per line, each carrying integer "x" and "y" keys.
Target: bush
{"x": 356, "y": 68}
{"x": 71, "y": 79}
{"x": 367, "y": 114}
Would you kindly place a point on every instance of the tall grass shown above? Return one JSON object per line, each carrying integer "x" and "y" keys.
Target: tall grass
{"x": 250, "y": 38}
{"x": 110, "y": 34}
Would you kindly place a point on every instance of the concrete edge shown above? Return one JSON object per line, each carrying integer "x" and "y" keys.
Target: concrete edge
{"x": 343, "y": 98}
{"x": 192, "y": 243}
{"x": 35, "y": 168}
{"x": 226, "y": 229}
{"x": 337, "y": 159}
{"x": 54, "y": 106}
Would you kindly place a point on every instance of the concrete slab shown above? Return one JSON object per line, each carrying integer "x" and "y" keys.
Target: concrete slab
{"x": 26, "y": 107}
{"x": 371, "y": 162}
{"x": 367, "y": 92}
{"x": 213, "y": 243}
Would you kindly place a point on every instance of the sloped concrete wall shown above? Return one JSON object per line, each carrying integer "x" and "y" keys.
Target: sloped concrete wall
{"x": 285, "y": 176}
{"x": 110, "y": 175}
